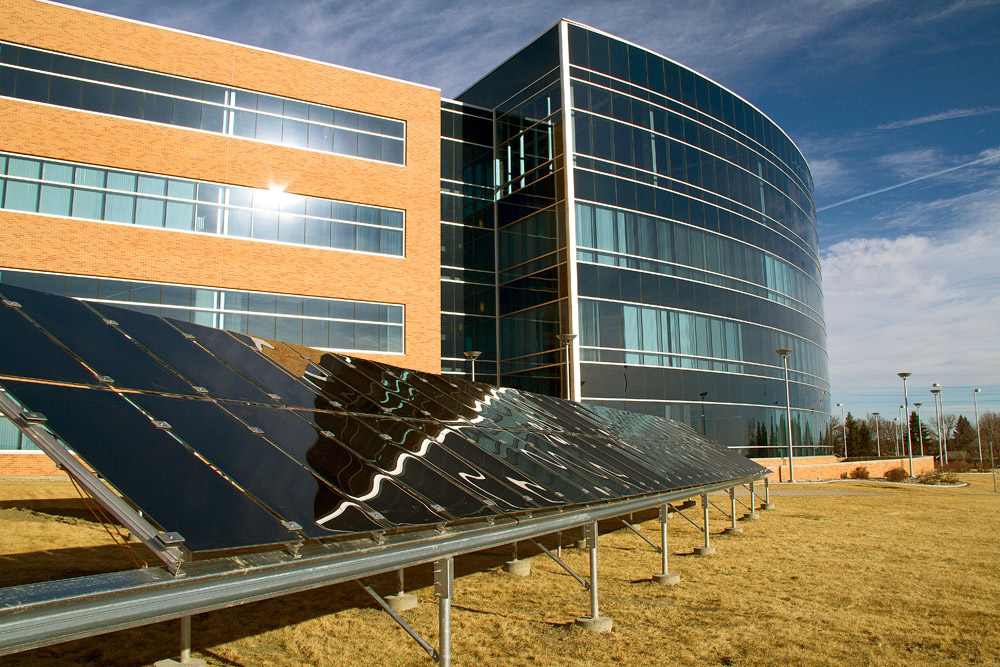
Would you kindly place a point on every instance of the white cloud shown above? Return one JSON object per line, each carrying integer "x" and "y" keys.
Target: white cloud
{"x": 913, "y": 163}
{"x": 925, "y": 303}
{"x": 933, "y": 118}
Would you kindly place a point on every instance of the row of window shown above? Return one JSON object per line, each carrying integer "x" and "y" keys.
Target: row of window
{"x": 42, "y": 76}
{"x": 357, "y": 326}
{"x": 756, "y": 431}
{"x": 627, "y": 194}
{"x": 637, "y": 235}
{"x": 661, "y": 122}
{"x": 662, "y": 79}
{"x": 675, "y": 165}
{"x": 658, "y": 336}
{"x": 11, "y": 438}
{"x": 92, "y": 193}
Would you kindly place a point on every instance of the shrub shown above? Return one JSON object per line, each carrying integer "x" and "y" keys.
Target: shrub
{"x": 937, "y": 477}
{"x": 957, "y": 466}
{"x": 895, "y": 475}
{"x": 843, "y": 475}
{"x": 860, "y": 472}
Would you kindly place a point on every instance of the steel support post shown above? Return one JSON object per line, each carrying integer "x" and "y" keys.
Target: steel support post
{"x": 521, "y": 568}
{"x": 665, "y": 578}
{"x": 595, "y": 622}
{"x": 185, "y": 658}
{"x": 732, "y": 529}
{"x": 768, "y": 505}
{"x": 444, "y": 588}
{"x": 708, "y": 549}
{"x": 752, "y": 514}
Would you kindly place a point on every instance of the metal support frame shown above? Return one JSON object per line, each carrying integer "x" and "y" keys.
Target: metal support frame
{"x": 36, "y": 615}
{"x": 665, "y": 577}
{"x": 399, "y": 619}
{"x": 444, "y": 588}
{"x": 562, "y": 564}
{"x": 638, "y": 532}
{"x": 704, "y": 506}
{"x": 165, "y": 545}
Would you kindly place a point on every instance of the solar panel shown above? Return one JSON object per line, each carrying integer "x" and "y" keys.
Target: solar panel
{"x": 235, "y": 442}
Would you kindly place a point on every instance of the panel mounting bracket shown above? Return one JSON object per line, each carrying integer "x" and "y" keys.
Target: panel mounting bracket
{"x": 166, "y": 546}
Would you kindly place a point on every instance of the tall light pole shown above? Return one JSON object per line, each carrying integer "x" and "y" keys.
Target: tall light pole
{"x": 784, "y": 352}
{"x": 878, "y": 442}
{"x": 843, "y": 419}
{"x": 992, "y": 467}
{"x": 942, "y": 437}
{"x": 567, "y": 340}
{"x": 472, "y": 355}
{"x": 978, "y": 435}
{"x": 906, "y": 412}
{"x": 920, "y": 430}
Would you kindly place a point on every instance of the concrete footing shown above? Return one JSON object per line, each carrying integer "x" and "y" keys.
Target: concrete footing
{"x": 732, "y": 530}
{"x": 666, "y": 579}
{"x": 704, "y": 551}
{"x": 751, "y": 516}
{"x": 598, "y": 624}
{"x": 581, "y": 544}
{"x": 192, "y": 662}
{"x": 401, "y": 602}
{"x": 767, "y": 506}
{"x": 521, "y": 568}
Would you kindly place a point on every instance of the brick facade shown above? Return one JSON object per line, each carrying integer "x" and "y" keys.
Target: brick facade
{"x": 40, "y": 243}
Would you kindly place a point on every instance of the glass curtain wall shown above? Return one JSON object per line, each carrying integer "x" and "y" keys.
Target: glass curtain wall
{"x": 697, "y": 254}
{"x": 525, "y": 94}
{"x": 468, "y": 241}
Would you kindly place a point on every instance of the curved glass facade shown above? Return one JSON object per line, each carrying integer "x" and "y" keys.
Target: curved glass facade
{"x": 671, "y": 226}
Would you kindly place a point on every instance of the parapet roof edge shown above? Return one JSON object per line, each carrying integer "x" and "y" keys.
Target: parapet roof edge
{"x": 246, "y": 46}
{"x": 704, "y": 76}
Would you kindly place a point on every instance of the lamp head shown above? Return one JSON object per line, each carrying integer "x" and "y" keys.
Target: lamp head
{"x": 918, "y": 404}
{"x": 472, "y": 354}
{"x": 784, "y": 352}
{"x": 975, "y": 391}
{"x": 935, "y": 391}
{"x": 566, "y": 338}
{"x": 904, "y": 375}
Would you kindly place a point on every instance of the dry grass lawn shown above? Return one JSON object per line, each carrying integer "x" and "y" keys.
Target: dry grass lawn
{"x": 849, "y": 573}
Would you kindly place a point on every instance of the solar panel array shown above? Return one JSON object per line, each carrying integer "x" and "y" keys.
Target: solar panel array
{"x": 212, "y": 438}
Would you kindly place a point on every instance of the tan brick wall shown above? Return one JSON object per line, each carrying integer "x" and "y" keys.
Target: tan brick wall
{"x": 72, "y": 246}
{"x": 28, "y": 465}
{"x": 819, "y": 468}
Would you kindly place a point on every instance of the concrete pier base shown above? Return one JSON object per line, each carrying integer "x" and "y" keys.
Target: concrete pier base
{"x": 704, "y": 551}
{"x": 733, "y": 530}
{"x": 666, "y": 579}
{"x": 751, "y": 516}
{"x": 520, "y": 568}
{"x": 599, "y": 624}
{"x": 401, "y": 602}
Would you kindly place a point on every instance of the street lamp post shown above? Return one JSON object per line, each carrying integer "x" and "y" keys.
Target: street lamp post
{"x": 878, "y": 442}
{"x": 920, "y": 430}
{"x": 567, "y": 340}
{"x": 472, "y": 355}
{"x": 942, "y": 438}
{"x": 784, "y": 352}
{"x": 843, "y": 419}
{"x": 979, "y": 437}
{"x": 909, "y": 436}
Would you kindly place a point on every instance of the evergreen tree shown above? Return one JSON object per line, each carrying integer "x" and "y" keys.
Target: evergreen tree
{"x": 964, "y": 437}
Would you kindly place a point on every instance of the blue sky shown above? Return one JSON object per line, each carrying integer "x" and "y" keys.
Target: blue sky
{"x": 896, "y": 105}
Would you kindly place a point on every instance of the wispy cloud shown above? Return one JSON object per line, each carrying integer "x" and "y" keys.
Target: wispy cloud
{"x": 992, "y": 155}
{"x": 921, "y": 302}
{"x": 934, "y": 118}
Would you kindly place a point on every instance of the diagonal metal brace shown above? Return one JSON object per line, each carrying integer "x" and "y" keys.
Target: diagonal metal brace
{"x": 431, "y": 651}
{"x": 583, "y": 582}
{"x": 687, "y": 518}
{"x": 639, "y": 533}
{"x": 724, "y": 512}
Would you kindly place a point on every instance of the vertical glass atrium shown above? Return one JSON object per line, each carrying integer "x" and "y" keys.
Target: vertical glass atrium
{"x": 677, "y": 240}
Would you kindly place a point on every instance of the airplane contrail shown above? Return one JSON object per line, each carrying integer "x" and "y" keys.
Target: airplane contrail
{"x": 988, "y": 158}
